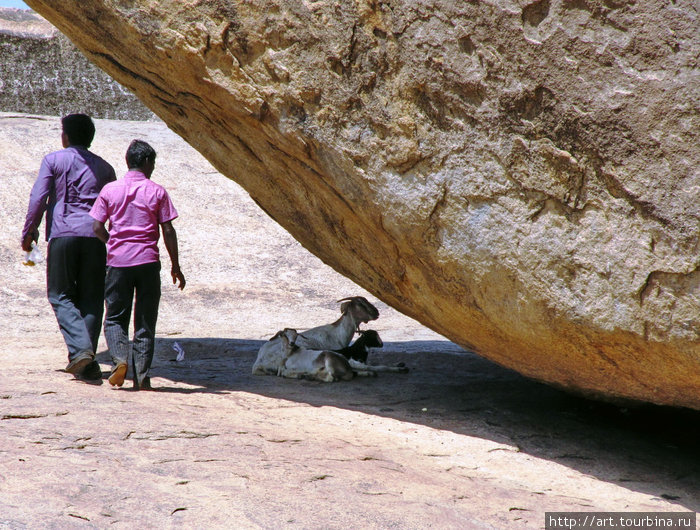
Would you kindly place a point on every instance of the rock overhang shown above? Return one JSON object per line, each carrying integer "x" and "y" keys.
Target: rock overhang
{"x": 523, "y": 181}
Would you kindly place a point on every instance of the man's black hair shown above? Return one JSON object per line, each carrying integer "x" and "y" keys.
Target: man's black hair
{"x": 79, "y": 129}
{"x": 138, "y": 153}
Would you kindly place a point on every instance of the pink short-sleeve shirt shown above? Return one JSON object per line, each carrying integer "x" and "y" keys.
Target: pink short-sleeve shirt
{"x": 135, "y": 206}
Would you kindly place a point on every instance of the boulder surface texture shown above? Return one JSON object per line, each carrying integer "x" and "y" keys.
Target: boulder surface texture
{"x": 520, "y": 177}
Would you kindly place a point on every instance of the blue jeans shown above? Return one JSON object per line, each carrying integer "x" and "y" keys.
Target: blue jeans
{"x": 121, "y": 285}
{"x": 75, "y": 280}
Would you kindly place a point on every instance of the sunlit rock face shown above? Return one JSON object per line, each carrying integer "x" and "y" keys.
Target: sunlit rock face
{"x": 522, "y": 178}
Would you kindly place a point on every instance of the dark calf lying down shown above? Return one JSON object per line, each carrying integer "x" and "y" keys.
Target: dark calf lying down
{"x": 359, "y": 349}
{"x": 327, "y": 366}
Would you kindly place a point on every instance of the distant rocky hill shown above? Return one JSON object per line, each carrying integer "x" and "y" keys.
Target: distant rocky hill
{"x": 42, "y": 72}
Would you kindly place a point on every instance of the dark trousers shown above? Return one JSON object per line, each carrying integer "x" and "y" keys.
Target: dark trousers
{"x": 121, "y": 285}
{"x": 75, "y": 279}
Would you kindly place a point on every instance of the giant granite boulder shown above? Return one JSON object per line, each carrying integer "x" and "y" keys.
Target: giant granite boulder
{"x": 520, "y": 177}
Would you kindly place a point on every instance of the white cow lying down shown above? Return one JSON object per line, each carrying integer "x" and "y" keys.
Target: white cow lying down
{"x": 323, "y": 365}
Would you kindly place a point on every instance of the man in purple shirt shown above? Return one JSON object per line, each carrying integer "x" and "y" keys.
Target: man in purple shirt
{"x": 66, "y": 188}
{"x": 136, "y": 209}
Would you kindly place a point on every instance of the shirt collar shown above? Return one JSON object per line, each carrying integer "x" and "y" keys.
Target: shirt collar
{"x": 135, "y": 174}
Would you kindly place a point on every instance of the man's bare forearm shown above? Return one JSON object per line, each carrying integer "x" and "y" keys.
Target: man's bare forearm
{"x": 100, "y": 231}
{"x": 170, "y": 240}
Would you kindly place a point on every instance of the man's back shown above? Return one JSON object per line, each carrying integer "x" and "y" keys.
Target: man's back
{"x": 69, "y": 181}
{"x": 135, "y": 206}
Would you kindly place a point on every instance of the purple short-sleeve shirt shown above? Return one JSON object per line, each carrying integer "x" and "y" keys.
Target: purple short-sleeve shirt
{"x": 135, "y": 206}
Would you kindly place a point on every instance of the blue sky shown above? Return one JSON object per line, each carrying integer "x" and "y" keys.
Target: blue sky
{"x": 13, "y": 3}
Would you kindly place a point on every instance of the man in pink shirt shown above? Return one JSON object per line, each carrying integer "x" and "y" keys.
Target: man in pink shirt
{"x": 136, "y": 209}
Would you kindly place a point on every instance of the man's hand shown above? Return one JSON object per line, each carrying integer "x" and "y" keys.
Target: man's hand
{"x": 30, "y": 238}
{"x": 178, "y": 276}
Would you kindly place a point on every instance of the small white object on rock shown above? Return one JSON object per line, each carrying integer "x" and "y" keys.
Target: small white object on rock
{"x": 180, "y": 352}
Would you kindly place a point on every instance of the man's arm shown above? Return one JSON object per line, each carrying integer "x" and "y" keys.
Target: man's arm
{"x": 170, "y": 239}
{"x": 100, "y": 231}
{"x": 37, "y": 206}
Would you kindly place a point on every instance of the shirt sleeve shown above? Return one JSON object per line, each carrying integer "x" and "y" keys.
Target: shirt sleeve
{"x": 38, "y": 198}
{"x": 99, "y": 209}
{"x": 166, "y": 209}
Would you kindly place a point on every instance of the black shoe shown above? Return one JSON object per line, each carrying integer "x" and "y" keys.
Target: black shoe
{"x": 77, "y": 365}
{"x": 92, "y": 372}
{"x": 145, "y": 384}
